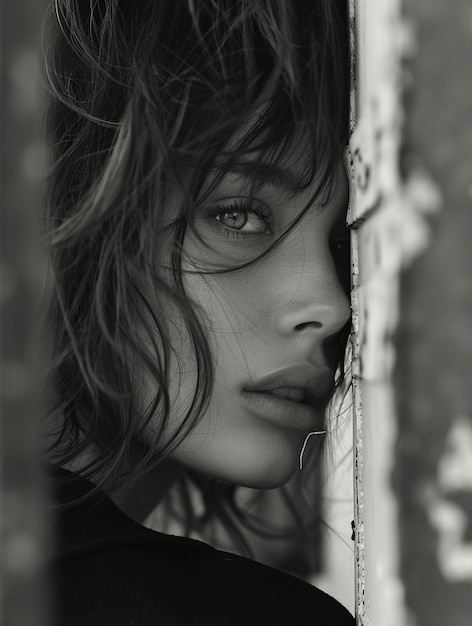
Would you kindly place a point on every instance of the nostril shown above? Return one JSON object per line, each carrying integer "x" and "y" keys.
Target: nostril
{"x": 306, "y": 325}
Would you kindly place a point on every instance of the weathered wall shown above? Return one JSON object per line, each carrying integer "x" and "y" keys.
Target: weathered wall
{"x": 336, "y": 575}
{"x": 411, "y": 154}
{"x": 434, "y": 449}
{"x": 381, "y": 213}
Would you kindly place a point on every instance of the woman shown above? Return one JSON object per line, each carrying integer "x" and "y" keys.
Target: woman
{"x": 199, "y": 308}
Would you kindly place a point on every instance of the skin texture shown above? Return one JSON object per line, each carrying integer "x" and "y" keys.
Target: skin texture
{"x": 279, "y": 312}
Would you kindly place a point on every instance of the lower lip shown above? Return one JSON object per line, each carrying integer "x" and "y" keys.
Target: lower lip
{"x": 293, "y": 415}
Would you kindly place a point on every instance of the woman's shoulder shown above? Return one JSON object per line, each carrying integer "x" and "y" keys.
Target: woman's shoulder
{"x": 110, "y": 570}
{"x": 171, "y": 583}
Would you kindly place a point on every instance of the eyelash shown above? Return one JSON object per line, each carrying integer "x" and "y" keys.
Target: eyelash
{"x": 340, "y": 246}
{"x": 244, "y": 205}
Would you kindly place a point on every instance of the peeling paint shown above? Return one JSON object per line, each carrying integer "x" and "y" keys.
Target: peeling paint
{"x": 378, "y": 299}
{"x": 375, "y": 137}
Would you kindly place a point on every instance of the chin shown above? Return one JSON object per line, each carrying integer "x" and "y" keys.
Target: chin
{"x": 249, "y": 462}
{"x": 269, "y": 472}
{"x": 267, "y": 481}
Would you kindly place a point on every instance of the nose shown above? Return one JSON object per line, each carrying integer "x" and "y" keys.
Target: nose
{"x": 315, "y": 304}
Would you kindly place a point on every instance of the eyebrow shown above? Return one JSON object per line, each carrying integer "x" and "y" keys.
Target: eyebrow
{"x": 262, "y": 174}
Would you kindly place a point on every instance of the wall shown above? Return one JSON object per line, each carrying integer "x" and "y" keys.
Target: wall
{"x": 433, "y": 473}
{"x": 410, "y": 155}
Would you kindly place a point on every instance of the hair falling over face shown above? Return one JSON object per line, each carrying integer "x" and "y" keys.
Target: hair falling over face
{"x": 156, "y": 109}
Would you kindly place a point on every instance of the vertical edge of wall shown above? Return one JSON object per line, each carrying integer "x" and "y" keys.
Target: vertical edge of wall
{"x": 356, "y": 396}
{"x": 434, "y": 452}
{"x": 23, "y": 589}
{"x": 389, "y": 231}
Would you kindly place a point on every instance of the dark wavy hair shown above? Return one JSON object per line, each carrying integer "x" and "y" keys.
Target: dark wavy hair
{"x": 141, "y": 92}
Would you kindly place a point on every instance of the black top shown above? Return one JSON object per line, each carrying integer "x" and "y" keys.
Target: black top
{"x": 110, "y": 571}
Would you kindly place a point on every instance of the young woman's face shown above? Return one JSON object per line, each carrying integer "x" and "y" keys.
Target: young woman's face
{"x": 272, "y": 326}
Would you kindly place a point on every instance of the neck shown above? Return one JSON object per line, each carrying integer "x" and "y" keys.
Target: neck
{"x": 143, "y": 496}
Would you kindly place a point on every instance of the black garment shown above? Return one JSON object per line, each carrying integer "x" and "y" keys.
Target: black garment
{"x": 110, "y": 571}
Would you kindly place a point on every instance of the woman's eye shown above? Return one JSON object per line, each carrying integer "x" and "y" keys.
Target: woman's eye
{"x": 233, "y": 219}
{"x": 240, "y": 218}
{"x": 244, "y": 221}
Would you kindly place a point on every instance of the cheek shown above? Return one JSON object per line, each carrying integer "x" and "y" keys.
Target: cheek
{"x": 229, "y": 323}
{"x": 228, "y": 303}
{"x": 232, "y": 447}
{"x": 235, "y": 315}
{"x": 181, "y": 366}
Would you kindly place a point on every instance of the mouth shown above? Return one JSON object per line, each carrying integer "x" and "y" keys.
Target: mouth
{"x": 283, "y": 411}
{"x": 290, "y": 393}
{"x": 295, "y": 396}
{"x": 300, "y": 383}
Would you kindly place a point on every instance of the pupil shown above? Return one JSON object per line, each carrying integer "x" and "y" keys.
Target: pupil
{"x": 235, "y": 219}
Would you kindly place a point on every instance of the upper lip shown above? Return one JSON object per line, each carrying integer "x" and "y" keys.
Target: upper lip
{"x": 318, "y": 384}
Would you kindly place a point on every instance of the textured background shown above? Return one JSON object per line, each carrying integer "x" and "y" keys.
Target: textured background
{"x": 23, "y": 592}
{"x": 433, "y": 476}
{"x": 411, "y": 159}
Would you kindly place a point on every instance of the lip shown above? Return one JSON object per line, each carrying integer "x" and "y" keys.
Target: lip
{"x": 317, "y": 383}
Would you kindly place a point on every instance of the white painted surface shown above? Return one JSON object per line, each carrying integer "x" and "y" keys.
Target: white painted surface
{"x": 390, "y": 230}
{"x": 338, "y": 547}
